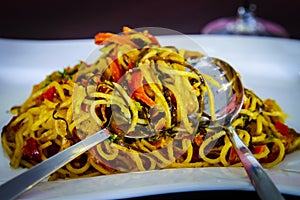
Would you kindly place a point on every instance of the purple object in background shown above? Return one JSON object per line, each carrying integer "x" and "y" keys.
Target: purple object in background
{"x": 245, "y": 23}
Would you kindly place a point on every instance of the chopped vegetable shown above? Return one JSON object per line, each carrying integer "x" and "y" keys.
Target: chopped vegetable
{"x": 136, "y": 86}
{"x": 116, "y": 69}
{"x": 50, "y": 94}
{"x": 257, "y": 149}
{"x": 282, "y": 128}
{"x": 30, "y": 149}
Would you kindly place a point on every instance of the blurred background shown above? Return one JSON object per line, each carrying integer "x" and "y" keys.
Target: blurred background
{"x": 66, "y": 19}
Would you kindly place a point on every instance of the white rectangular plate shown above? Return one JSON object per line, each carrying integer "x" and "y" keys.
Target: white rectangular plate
{"x": 268, "y": 66}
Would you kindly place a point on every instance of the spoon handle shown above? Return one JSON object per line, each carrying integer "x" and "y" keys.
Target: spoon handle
{"x": 23, "y": 182}
{"x": 260, "y": 180}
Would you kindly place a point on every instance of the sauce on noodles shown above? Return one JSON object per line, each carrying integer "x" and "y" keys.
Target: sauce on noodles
{"x": 46, "y": 122}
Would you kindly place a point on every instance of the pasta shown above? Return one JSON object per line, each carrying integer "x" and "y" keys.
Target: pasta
{"x": 138, "y": 87}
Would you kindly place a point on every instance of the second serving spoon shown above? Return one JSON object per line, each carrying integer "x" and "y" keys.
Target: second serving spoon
{"x": 228, "y": 103}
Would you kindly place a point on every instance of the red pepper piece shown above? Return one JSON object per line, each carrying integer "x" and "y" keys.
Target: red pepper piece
{"x": 31, "y": 150}
{"x": 116, "y": 69}
{"x": 101, "y": 37}
{"x": 136, "y": 86}
{"x": 232, "y": 156}
{"x": 282, "y": 128}
{"x": 50, "y": 94}
{"x": 258, "y": 149}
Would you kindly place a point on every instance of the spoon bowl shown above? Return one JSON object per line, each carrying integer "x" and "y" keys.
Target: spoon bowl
{"x": 226, "y": 89}
{"x": 228, "y": 93}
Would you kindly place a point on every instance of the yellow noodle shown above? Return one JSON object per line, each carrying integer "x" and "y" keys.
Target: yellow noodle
{"x": 42, "y": 147}
{"x": 253, "y": 105}
{"x": 262, "y": 154}
{"x": 259, "y": 138}
{"x": 210, "y": 79}
{"x": 98, "y": 167}
{"x": 112, "y": 152}
{"x": 245, "y": 136}
{"x": 238, "y": 122}
{"x": 205, "y": 143}
{"x": 224, "y": 152}
{"x": 259, "y": 126}
{"x": 80, "y": 170}
{"x": 17, "y": 155}
{"x": 281, "y": 153}
{"x": 7, "y": 146}
{"x": 142, "y": 146}
{"x": 61, "y": 121}
{"x": 148, "y": 145}
{"x": 188, "y": 145}
{"x": 132, "y": 107}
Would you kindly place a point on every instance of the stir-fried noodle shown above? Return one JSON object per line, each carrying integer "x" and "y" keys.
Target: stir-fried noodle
{"x": 144, "y": 87}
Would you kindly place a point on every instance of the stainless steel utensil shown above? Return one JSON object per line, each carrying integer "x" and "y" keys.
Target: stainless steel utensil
{"x": 23, "y": 182}
{"x": 228, "y": 102}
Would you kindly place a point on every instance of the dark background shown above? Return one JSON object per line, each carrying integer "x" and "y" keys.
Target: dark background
{"x": 66, "y": 19}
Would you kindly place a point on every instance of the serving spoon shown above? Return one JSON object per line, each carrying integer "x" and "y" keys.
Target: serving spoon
{"x": 28, "y": 179}
{"x": 228, "y": 103}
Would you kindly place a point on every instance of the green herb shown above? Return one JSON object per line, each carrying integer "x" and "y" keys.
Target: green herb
{"x": 245, "y": 117}
{"x": 138, "y": 105}
{"x": 270, "y": 137}
{"x": 113, "y": 137}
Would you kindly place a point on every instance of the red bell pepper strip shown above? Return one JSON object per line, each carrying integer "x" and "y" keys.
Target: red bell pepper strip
{"x": 31, "y": 150}
{"x": 101, "y": 37}
{"x": 50, "y": 94}
{"x": 106, "y": 38}
{"x": 116, "y": 69}
{"x": 282, "y": 128}
{"x": 232, "y": 156}
{"x": 257, "y": 149}
{"x": 138, "y": 92}
{"x": 198, "y": 140}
